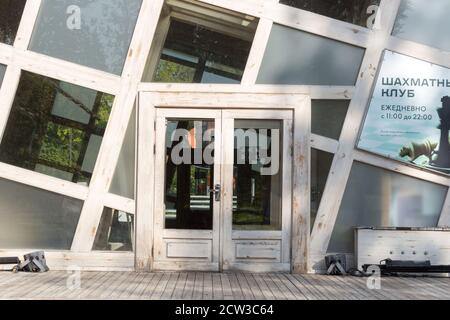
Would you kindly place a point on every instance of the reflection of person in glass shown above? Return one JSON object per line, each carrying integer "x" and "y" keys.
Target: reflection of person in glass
{"x": 437, "y": 159}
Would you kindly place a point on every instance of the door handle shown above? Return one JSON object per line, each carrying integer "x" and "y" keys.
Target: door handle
{"x": 215, "y": 191}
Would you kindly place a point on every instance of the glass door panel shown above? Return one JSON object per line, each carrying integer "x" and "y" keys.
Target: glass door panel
{"x": 257, "y": 175}
{"x": 257, "y": 189}
{"x": 187, "y": 199}
{"x": 189, "y": 174}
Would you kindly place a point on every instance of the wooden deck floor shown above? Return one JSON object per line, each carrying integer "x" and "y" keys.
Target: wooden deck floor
{"x": 208, "y": 286}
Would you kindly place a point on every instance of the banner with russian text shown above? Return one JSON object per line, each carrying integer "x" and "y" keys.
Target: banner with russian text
{"x": 409, "y": 115}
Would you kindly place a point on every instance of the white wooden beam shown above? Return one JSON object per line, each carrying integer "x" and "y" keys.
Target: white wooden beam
{"x": 27, "y": 22}
{"x": 324, "y": 143}
{"x": 257, "y": 51}
{"x": 301, "y": 188}
{"x": 343, "y": 161}
{"x": 115, "y": 131}
{"x": 145, "y": 188}
{"x": 114, "y": 201}
{"x": 42, "y": 181}
{"x": 315, "y": 92}
{"x": 402, "y": 168}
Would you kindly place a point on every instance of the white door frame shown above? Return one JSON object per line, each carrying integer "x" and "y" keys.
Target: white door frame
{"x": 222, "y": 97}
{"x": 256, "y": 250}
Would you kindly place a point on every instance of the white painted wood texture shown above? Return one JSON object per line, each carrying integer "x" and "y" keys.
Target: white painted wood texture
{"x": 372, "y": 246}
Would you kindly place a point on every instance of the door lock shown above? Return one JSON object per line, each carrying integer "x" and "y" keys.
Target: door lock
{"x": 215, "y": 191}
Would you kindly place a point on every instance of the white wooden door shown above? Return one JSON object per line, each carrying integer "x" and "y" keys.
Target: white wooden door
{"x": 257, "y": 189}
{"x": 223, "y": 189}
{"x": 186, "y": 203}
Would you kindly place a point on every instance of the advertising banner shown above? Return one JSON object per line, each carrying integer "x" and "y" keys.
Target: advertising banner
{"x": 409, "y": 115}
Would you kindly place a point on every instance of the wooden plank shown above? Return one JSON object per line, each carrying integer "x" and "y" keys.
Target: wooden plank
{"x": 257, "y": 51}
{"x": 293, "y": 289}
{"x": 159, "y": 289}
{"x": 48, "y": 285}
{"x": 305, "y": 289}
{"x": 312, "y": 285}
{"x": 85, "y": 279}
{"x": 246, "y": 291}
{"x": 147, "y": 293}
{"x": 361, "y": 288}
{"x": 315, "y": 92}
{"x": 263, "y": 286}
{"x": 207, "y": 286}
{"x": 226, "y": 287}
{"x": 109, "y": 287}
{"x": 189, "y": 287}
{"x": 198, "y": 286}
{"x": 121, "y": 288}
{"x": 217, "y": 287}
{"x": 301, "y": 229}
{"x": 138, "y": 291}
{"x": 180, "y": 285}
{"x": 170, "y": 287}
{"x": 254, "y": 287}
{"x": 423, "y": 288}
{"x": 91, "y": 287}
{"x": 277, "y": 293}
{"x": 281, "y": 287}
{"x": 235, "y": 287}
{"x": 346, "y": 291}
{"x": 132, "y": 285}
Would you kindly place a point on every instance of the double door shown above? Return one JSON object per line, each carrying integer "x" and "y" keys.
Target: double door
{"x": 222, "y": 189}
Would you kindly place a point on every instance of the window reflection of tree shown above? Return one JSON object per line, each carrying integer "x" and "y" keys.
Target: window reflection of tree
{"x": 200, "y": 51}
{"x": 10, "y": 15}
{"x": 353, "y": 11}
{"x": 34, "y": 136}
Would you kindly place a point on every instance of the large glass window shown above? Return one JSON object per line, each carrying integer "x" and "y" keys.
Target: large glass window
{"x": 360, "y": 12}
{"x": 94, "y": 33}
{"x": 376, "y": 197}
{"x": 328, "y": 117}
{"x": 425, "y": 22}
{"x": 115, "y": 232}
{"x": 122, "y": 183}
{"x": 10, "y": 15}
{"x": 297, "y": 57}
{"x": 320, "y": 168}
{"x": 55, "y": 128}
{"x": 2, "y": 73}
{"x": 36, "y": 219}
{"x": 193, "y": 53}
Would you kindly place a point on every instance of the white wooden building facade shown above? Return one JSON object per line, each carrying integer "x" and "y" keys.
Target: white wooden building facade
{"x": 134, "y": 134}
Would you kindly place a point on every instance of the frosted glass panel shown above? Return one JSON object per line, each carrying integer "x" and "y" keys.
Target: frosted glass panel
{"x": 297, "y": 57}
{"x": 123, "y": 180}
{"x": 36, "y": 219}
{"x": 2, "y": 73}
{"x": 426, "y": 22}
{"x": 328, "y": 117}
{"x": 10, "y": 15}
{"x": 376, "y": 197}
{"x": 97, "y": 35}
